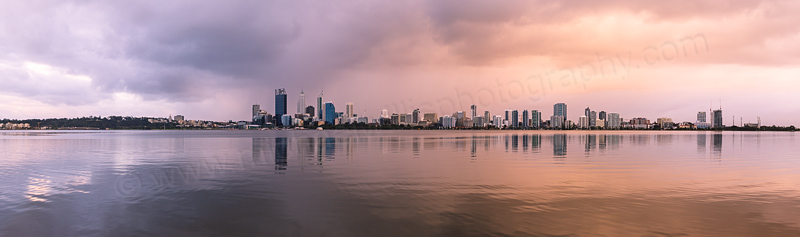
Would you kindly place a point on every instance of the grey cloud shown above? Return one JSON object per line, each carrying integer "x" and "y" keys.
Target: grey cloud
{"x": 192, "y": 50}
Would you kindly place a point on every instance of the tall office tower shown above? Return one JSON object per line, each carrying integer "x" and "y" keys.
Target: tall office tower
{"x": 301, "y": 103}
{"x": 348, "y": 111}
{"x": 320, "y": 108}
{"x": 256, "y": 108}
{"x": 614, "y": 121}
{"x": 583, "y": 122}
{"x": 384, "y": 113}
{"x": 415, "y": 118}
{"x": 330, "y": 113}
{"x": 602, "y": 115}
{"x": 514, "y": 122}
{"x": 310, "y": 111}
{"x": 508, "y": 115}
{"x": 593, "y": 119}
{"x": 395, "y": 119}
{"x": 525, "y": 119}
{"x": 717, "y": 114}
{"x": 560, "y": 109}
{"x": 701, "y": 117}
{"x": 474, "y": 110}
{"x": 486, "y": 118}
{"x": 587, "y": 112}
{"x": 536, "y": 119}
{"x": 280, "y": 104}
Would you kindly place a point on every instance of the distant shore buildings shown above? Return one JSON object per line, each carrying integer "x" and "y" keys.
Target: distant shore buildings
{"x": 325, "y": 114}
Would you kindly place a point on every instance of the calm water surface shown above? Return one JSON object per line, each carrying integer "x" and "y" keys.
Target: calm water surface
{"x": 399, "y": 183}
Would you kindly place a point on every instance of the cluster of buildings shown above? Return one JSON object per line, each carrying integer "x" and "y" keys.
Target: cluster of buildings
{"x": 326, "y": 113}
{"x": 14, "y": 126}
{"x": 323, "y": 113}
{"x": 181, "y": 122}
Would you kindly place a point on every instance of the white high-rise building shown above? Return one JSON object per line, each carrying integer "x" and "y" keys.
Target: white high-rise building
{"x": 497, "y": 121}
{"x": 348, "y": 111}
{"x": 613, "y": 120}
{"x": 385, "y": 113}
{"x": 583, "y": 122}
{"x": 557, "y": 121}
{"x": 448, "y": 121}
{"x": 301, "y": 103}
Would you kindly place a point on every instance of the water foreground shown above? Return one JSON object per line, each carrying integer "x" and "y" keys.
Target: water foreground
{"x": 386, "y": 183}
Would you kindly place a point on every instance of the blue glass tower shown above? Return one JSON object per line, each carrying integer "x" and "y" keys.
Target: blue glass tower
{"x": 330, "y": 113}
{"x": 280, "y": 104}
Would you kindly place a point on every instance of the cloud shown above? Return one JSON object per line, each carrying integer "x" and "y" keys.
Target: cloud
{"x": 409, "y": 51}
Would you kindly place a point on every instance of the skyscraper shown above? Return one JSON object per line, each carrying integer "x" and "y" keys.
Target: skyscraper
{"x": 701, "y": 117}
{"x": 514, "y": 122}
{"x": 613, "y": 121}
{"x": 256, "y": 108}
{"x": 486, "y": 118}
{"x": 301, "y": 103}
{"x": 474, "y": 111}
{"x": 560, "y": 109}
{"x": 717, "y": 114}
{"x": 280, "y": 104}
{"x": 536, "y": 119}
{"x": 415, "y": 116}
{"x": 320, "y": 108}
{"x": 348, "y": 111}
{"x": 583, "y": 122}
{"x": 525, "y": 119}
{"x": 330, "y": 113}
{"x": 602, "y": 115}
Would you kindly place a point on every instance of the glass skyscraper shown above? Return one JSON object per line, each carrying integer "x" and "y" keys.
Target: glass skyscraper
{"x": 560, "y": 109}
{"x": 280, "y": 104}
{"x": 330, "y": 113}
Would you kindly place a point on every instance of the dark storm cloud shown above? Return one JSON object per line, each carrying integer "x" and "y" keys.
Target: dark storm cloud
{"x": 182, "y": 50}
{"x": 191, "y": 51}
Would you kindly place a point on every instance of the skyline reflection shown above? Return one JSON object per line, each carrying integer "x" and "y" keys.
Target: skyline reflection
{"x": 422, "y": 183}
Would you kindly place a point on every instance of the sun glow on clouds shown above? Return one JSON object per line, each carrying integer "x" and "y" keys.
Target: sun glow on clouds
{"x": 144, "y": 59}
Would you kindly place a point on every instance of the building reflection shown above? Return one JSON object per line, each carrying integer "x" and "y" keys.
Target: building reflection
{"x": 260, "y": 148}
{"x": 415, "y": 146}
{"x": 601, "y": 142}
{"x": 514, "y": 142}
{"x": 525, "y": 144}
{"x": 474, "y": 149}
{"x": 717, "y": 145}
{"x": 590, "y": 142}
{"x": 281, "y": 153}
{"x": 349, "y": 144}
{"x": 613, "y": 141}
{"x": 701, "y": 143}
{"x": 560, "y": 145}
{"x": 330, "y": 147}
{"x": 536, "y": 143}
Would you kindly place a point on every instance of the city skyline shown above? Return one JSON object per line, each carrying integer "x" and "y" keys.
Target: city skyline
{"x": 644, "y": 59}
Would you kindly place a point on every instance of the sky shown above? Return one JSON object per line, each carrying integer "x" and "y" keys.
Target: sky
{"x": 212, "y": 60}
